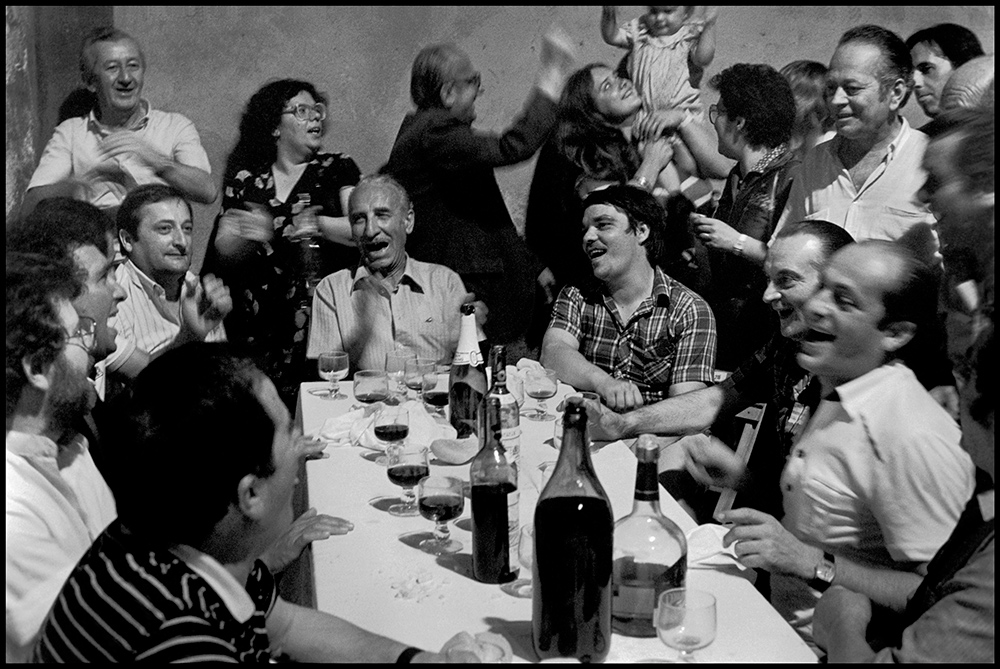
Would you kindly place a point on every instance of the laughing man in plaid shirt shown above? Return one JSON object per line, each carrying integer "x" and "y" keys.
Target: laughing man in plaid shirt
{"x": 635, "y": 336}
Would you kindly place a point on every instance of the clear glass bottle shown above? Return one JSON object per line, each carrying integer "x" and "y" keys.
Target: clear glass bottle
{"x": 650, "y": 551}
{"x": 467, "y": 381}
{"x": 494, "y": 505}
{"x": 510, "y": 417}
{"x": 571, "y": 607}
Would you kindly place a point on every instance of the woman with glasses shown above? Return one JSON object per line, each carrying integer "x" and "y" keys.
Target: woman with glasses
{"x": 283, "y": 226}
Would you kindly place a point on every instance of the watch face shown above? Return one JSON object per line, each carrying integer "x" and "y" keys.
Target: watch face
{"x": 825, "y": 571}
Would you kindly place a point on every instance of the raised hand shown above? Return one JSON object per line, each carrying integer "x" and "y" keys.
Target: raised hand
{"x": 126, "y": 142}
{"x": 715, "y": 233}
{"x": 203, "y": 305}
{"x": 255, "y": 224}
{"x": 305, "y": 224}
{"x": 713, "y": 463}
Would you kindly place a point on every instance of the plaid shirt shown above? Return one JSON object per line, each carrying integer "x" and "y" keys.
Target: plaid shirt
{"x": 669, "y": 339}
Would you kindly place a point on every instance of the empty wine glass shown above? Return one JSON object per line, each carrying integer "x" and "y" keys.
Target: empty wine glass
{"x": 521, "y": 587}
{"x": 406, "y": 465}
{"x": 371, "y": 385}
{"x": 685, "y": 620}
{"x": 441, "y": 500}
{"x": 414, "y": 374}
{"x": 332, "y": 366}
{"x": 540, "y": 384}
{"x": 435, "y": 391}
{"x": 395, "y": 368}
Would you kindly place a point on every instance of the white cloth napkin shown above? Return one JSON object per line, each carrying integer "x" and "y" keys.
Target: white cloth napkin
{"x": 705, "y": 547}
{"x": 357, "y": 427}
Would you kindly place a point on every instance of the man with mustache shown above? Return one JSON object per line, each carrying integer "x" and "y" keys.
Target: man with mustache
{"x": 391, "y": 299}
{"x": 167, "y": 305}
{"x": 122, "y": 142}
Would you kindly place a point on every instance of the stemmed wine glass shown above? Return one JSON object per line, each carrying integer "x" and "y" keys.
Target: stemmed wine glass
{"x": 526, "y": 556}
{"x": 406, "y": 465}
{"x": 540, "y": 384}
{"x": 332, "y": 366}
{"x": 395, "y": 367}
{"x": 414, "y": 374}
{"x": 685, "y": 620}
{"x": 441, "y": 500}
{"x": 371, "y": 385}
{"x": 435, "y": 391}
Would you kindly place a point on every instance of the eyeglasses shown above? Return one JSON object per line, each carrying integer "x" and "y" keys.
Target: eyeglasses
{"x": 85, "y": 335}
{"x": 714, "y": 112}
{"x": 475, "y": 80}
{"x": 304, "y": 112}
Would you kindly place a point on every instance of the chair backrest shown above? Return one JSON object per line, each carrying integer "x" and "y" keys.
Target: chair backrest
{"x": 752, "y": 418}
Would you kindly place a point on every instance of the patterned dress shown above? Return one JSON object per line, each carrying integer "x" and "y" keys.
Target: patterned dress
{"x": 271, "y": 299}
{"x": 661, "y": 68}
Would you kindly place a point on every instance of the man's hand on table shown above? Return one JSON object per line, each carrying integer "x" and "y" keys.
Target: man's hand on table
{"x": 605, "y": 424}
{"x": 619, "y": 394}
{"x": 307, "y": 528}
{"x": 311, "y": 448}
{"x": 762, "y": 542}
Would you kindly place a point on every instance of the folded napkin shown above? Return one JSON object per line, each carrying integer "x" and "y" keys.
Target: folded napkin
{"x": 357, "y": 427}
{"x": 705, "y": 547}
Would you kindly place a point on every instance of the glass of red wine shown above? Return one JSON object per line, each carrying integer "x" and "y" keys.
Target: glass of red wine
{"x": 406, "y": 464}
{"x": 435, "y": 391}
{"x": 371, "y": 385}
{"x": 441, "y": 500}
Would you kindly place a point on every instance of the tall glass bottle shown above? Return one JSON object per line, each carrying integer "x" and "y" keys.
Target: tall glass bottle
{"x": 510, "y": 418}
{"x": 467, "y": 381}
{"x": 494, "y": 504}
{"x": 650, "y": 551}
{"x": 571, "y": 607}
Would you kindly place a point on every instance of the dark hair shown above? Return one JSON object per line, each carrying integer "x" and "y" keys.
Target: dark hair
{"x": 807, "y": 79}
{"x": 587, "y": 139}
{"x": 130, "y": 212}
{"x": 192, "y": 428}
{"x": 831, "y": 236}
{"x": 256, "y": 148}
{"x": 102, "y": 34}
{"x": 431, "y": 69}
{"x": 956, "y": 43}
{"x": 34, "y": 331}
{"x": 639, "y": 207}
{"x": 762, "y": 98}
{"x": 896, "y": 62}
{"x": 61, "y": 225}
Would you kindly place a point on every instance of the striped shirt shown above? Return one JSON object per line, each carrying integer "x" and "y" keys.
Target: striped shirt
{"x": 353, "y": 312}
{"x": 145, "y": 320}
{"x": 669, "y": 339}
{"x": 129, "y": 601}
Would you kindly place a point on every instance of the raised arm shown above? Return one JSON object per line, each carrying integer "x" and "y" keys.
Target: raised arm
{"x": 610, "y": 31}
{"x": 704, "y": 51}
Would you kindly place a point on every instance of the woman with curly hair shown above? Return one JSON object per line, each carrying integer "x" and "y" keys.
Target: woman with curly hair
{"x": 283, "y": 226}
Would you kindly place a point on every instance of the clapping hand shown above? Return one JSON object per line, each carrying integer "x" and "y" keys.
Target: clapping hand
{"x": 305, "y": 224}
{"x": 203, "y": 304}
{"x": 307, "y": 528}
{"x": 762, "y": 542}
{"x": 255, "y": 224}
{"x": 126, "y": 142}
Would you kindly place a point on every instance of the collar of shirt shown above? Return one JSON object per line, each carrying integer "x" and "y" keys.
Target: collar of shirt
{"x": 155, "y": 291}
{"x": 230, "y": 591}
{"x": 985, "y": 500}
{"x": 858, "y": 395}
{"x": 363, "y": 278}
{"x": 32, "y": 446}
{"x": 769, "y": 158}
{"x": 659, "y": 297}
{"x": 102, "y": 130}
{"x": 894, "y": 146}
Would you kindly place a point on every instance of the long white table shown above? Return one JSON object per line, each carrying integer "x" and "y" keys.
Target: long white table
{"x": 376, "y": 578}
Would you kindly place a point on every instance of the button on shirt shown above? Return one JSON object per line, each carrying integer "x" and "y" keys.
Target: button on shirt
{"x": 884, "y": 207}
{"x": 75, "y": 149}
{"x": 146, "y": 320}
{"x": 669, "y": 339}
{"x": 878, "y": 476}
{"x": 354, "y": 312}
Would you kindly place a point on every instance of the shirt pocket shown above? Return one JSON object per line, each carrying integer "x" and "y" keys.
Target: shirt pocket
{"x": 657, "y": 362}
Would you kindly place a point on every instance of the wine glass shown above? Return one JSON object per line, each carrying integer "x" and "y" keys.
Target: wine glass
{"x": 371, "y": 385}
{"x": 414, "y": 373}
{"x": 332, "y": 367}
{"x": 392, "y": 425}
{"x": 526, "y": 556}
{"x": 685, "y": 620}
{"x": 406, "y": 465}
{"x": 435, "y": 391}
{"x": 540, "y": 384}
{"x": 441, "y": 500}
{"x": 395, "y": 367}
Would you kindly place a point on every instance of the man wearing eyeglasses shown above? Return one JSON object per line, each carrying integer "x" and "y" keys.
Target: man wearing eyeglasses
{"x": 57, "y": 502}
{"x": 122, "y": 142}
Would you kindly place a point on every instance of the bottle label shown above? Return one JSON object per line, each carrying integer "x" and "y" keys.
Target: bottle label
{"x": 473, "y": 357}
{"x": 510, "y": 437}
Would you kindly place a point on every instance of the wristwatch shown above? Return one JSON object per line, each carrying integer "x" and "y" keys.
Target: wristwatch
{"x": 825, "y": 572}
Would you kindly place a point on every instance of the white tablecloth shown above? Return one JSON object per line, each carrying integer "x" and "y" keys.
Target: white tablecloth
{"x": 377, "y": 579}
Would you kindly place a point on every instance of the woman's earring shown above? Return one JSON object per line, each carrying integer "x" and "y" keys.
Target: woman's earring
{"x": 276, "y": 133}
